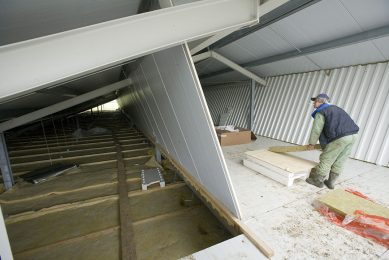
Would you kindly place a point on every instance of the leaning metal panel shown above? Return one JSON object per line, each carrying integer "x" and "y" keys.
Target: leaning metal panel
{"x": 170, "y": 84}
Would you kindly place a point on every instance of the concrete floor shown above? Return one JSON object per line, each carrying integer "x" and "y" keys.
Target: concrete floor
{"x": 285, "y": 218}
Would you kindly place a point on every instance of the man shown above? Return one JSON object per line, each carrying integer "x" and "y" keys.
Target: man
{"x": 337, "y": 133}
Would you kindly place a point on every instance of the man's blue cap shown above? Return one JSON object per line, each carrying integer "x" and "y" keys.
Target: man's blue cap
{"x": 321, "y": 95}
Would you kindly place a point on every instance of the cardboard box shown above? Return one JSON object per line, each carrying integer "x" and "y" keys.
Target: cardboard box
{"x": 232, "y": 138}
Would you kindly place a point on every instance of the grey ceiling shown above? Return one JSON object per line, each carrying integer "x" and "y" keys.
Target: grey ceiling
{"x": 27, "y": 19}
{"x": 46, "y": 97}
{"x": 323, "y": 21}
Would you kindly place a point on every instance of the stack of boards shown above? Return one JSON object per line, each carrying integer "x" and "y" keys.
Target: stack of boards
{"x": 346, "y": 203}
{"x": 284, "y": 168}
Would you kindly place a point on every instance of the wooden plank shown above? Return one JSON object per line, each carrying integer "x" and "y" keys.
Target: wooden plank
{"x": 295, "y": 148}
{"x": 127, "y": 242}
{"x": 345, "y": 203}
{"x": 283, "y": 161}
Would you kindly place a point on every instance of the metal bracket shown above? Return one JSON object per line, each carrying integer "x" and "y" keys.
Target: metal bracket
{"x": 152, "y": 176}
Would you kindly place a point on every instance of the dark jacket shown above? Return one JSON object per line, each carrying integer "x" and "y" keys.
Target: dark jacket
{"x": 337, "y": 124}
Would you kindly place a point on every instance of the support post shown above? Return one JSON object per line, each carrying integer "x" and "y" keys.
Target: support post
{"x": 5, "y": 164}
{"x": 158, "y": 155}
{"x": 252, "y": 104}
{"x": 229, "y": 63}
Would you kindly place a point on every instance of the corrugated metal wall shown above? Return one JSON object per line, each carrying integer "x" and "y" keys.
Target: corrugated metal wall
{"x": 283, "y": 108}
{"x": 234, "y": 96}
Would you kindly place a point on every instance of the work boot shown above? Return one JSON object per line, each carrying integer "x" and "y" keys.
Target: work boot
{"x": 314, "y": 179}
{"x": 330, "y": 183}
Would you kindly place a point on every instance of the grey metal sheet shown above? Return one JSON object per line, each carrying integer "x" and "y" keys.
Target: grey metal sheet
{"x": 190, "y": 107}
{"x": 149, "y": 105}
{"x": 179, "y": 149}
{"x": 178, "y": 95}
{"x": 153, "y": 101}
{"x": 152, "y": 126}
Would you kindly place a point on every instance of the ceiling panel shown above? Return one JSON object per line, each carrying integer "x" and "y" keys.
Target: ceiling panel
{"x": 323, "y": 21}
{"x": 236, "y": 53}
{"x": 369, "y": 14}
{"x": 263, "y": 43}
{"x": 360, "y": 53}
{"x": 287, "y": 66}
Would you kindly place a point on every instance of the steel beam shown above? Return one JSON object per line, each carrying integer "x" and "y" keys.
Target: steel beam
{"x": 201, "y": 56}
{"x": 200, "y": 43}
{"x": 337, "y": 43}
{"x": 61, "y": 91}
{"x": 5, "y": 165}
{"x": 238, "y": 68}
{"x": 207, "y": 42}
{"x": 230, "y": 64}
{"x": 93, "y": 48}
{"x": 8, "y": 114}
{"x": 27, "y": 118}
